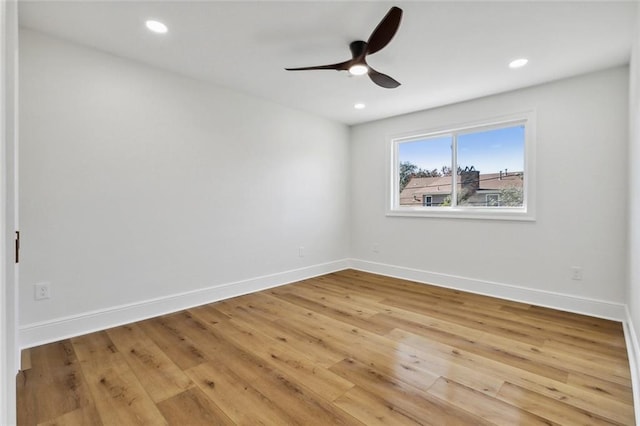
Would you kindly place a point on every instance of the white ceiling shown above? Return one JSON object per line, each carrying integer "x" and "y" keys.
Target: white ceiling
{"x": 444, "y": 52}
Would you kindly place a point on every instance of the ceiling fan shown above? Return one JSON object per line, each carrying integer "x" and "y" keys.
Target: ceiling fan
{"x": 357, "y": 65}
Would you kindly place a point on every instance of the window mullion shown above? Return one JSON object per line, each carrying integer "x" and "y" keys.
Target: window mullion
{"x": 454, "y": 169}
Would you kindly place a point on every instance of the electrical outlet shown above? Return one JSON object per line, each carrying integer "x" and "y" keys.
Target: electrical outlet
{"x": 576, "y": 273}
{"x": 42, "y": 291}
{"x": 300, "y": 251}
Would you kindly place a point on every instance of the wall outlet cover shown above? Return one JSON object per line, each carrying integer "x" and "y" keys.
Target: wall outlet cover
{"x": 42, "y": 291}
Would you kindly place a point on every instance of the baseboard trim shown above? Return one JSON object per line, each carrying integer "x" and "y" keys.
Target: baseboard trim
{"x": 35, "y": 334}
{"x": 633, "y": 352}
{"x": 564, "y": 302}
{"x": 63, "y": 328}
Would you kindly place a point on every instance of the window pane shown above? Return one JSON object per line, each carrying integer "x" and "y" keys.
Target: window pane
{"x": 491, "y": 167}
{"x": 424, "y": 167}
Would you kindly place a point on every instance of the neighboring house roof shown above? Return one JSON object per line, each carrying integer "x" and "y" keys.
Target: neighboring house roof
{"x": 418, "y": 187}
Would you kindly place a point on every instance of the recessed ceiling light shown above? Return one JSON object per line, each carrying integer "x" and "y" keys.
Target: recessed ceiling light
{"x": 156, "y": 26}
{"x": 358, "y": 69}
{"x": 359, "y": 106}
{"x": 518, "y": 63}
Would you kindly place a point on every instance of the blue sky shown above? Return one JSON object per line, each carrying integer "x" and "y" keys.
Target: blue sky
{"x": 488, "y": 151}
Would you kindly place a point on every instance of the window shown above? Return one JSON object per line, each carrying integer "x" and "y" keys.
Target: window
{"x": 493, "y": 200}
{"x": 481, "y": 170}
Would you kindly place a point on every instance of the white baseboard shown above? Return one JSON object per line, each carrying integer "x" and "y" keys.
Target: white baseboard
{"x": 63, "y": 328}
{"x": 633, "y": 351}
{"x": 564, "y": 302}
{"x": 34, "y": 334}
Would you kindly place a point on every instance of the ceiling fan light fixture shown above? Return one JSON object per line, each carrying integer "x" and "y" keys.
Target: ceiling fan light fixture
{"x": 156, "y": 26}
{"x": 518, "y": 63}
{"x": 358, "y": 69}
{"x": 357, "y": 65}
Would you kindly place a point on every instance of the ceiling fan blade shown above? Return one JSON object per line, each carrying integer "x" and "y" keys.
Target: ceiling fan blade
{"x": 382, "y": 80}
{"x": 342, "y": 66}
{"x": 385, "y": 30}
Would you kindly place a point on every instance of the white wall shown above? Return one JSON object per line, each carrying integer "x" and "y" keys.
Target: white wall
{"x": 8, "y": 138}
{"x": 634, "y": 184}
{"x": 138, "y": 184}
{"x": 582, "y": 133}
{"x": 633, "y": 293}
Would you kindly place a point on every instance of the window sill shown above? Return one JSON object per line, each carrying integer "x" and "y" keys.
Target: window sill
{"x": 466, "y": 213}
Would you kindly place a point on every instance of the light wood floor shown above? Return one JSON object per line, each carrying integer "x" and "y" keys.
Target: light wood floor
{"x": 346, "y": 348}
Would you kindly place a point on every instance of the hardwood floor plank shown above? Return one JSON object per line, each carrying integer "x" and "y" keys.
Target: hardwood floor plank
{"x": 585, "y": 363}
{"x": 92, "y": 347}
{"x": 488, "y": 344}
{"x": 490, "y": 409}
{"x": 181, "y": 350}
{"x": 371, "y": 409}
{"x": 208, "y": 341}
{"x": 292, "y": 362}
{"x": 481, "y": 322}
{"x": 594, "y": 394}
{"x": 457, "y": 345}
{"x": 257, "y": 305}
{"x": 602, "y": 387}
{"x": 238, "y": 399}
{"x": 515, "y": 326}
{"x": 319, "y": 351}
{"x": 551, "y": 409}
{"x": 414, "y": 404}
{"x": 409, "y": 364}
{"x": 396, "y": 287}
{"x": 300, "y": 403}
{"x": 327, "y": 284}
{"x": 580, "y": 348}
{"x": 461, "y": 358}
{"x": 497, "y": 308}
{"x": 80, "y": 417}
{"x": 386, "y": 287}
{"x": 352, "y": 317}
{"x": 405, "y": 362}
{"x": 597, "y": 402}
{"x": 265, "y": 379}
{"x": 341, "y": 305}
{"x": 416, "y": 364}
{"x": 209, "y": 314}
{"x": 193, "y": 408}
{"x": 25, "y": 359}
{"x": 567, "y": 318}
{"x": 346, "y": 348}
{"x": 334, "y": 308}
{"x": 159, "y": 376}
{"x": 119, "y": 397}
{"x": 53, "y": 386}
{"x": 520, "y": 322}
{"x": 577, "y": 331}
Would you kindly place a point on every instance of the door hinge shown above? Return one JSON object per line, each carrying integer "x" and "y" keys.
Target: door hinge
{"x": 17, "y": 246}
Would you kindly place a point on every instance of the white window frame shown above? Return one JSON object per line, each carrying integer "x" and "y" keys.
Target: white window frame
{"x": 525, "y": 213}
{"x": 424, "y": 200}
